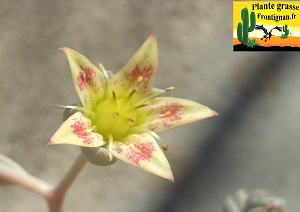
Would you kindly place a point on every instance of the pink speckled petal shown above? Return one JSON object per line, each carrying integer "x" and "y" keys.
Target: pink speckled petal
{"x": 76, "y": 130}
{"x": 87, "y": 77}
{"x": 142, "y": 151}
{"x": 169, "y": 112}
{"x": 140, "y": 71}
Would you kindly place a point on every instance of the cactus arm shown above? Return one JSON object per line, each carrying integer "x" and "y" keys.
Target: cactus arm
{"x": 252, "y": 22}
{"x": 287, "y": 32}
{"x": 240, "y": 32}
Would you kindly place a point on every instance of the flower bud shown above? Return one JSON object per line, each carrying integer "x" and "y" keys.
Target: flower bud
{"x": 98, "y": 156}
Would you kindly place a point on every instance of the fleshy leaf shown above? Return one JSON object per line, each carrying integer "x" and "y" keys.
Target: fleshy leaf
{"x": 87, "y": 77}
{"x": 76, "y": 130}
{"x": 169, "y": 113}
{"x": 10, "y": 169}
{"x": 142, "y": 151}
{"x": 140, "y": 71}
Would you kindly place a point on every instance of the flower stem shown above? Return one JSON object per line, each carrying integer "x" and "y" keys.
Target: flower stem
{"x": 29, "y": 182}
{"x": 56, "y": 195}
{"x": 12, "y": 173}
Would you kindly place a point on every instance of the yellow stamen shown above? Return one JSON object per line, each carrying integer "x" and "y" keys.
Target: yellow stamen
{"x": 114, "y": 96}
{"x": 166, "y": 114}
{"x": 132, "y": 92}
{"x": 166, "y": 147}
{"x": 110, "y": 146}
{"x": 136, "y": 150}
{"x": 140, "y": 79}
{"x": 102, "y": 69}
{"x": 91, "y": 129}
{"x": 131, "y": 120}
{"x": 139, "y": 106}
{"x": 156, "y": 94}
{"x": 76, "y": 108}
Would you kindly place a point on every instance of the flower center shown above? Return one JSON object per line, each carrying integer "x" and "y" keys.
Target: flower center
{"x": 114, "y": 117}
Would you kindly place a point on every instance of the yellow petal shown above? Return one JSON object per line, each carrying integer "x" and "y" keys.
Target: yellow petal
{"x": 140, "y": 71}
{"x": 168, "y": 113}
{"x": 142, "y": 151}
{"x": 76, "y": 130}
{"x": 87, "y": 77}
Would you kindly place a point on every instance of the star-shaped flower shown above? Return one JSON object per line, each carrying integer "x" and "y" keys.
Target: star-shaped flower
{"x": 123, "y": 113}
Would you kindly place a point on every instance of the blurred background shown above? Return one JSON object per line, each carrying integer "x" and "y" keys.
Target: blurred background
{"x": 253, "y": 143}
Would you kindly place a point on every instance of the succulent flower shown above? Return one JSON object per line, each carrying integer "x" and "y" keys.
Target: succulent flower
{"x": 123, "y": 113}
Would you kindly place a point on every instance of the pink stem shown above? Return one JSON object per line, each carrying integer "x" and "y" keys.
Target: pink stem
{"x": 29, "y": 182}
{"x": 53, "y": 194}
{"x": 56, "y": 195}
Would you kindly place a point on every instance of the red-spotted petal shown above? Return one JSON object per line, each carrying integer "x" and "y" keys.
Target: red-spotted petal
{"x": 169, "y": 112}
{"x": 76, "y": 130}
{"x": 140, "y": 71}
{"x": 87, "y": 77}
{"x": 142, "y": 151}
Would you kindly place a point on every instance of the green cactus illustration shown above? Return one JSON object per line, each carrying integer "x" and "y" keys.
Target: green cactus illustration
{"x": 242, "y": 28}
{"x": 286, "y": 31}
